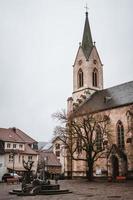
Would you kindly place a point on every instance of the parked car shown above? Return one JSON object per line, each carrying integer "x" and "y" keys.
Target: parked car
{"x": 11, "y": 175}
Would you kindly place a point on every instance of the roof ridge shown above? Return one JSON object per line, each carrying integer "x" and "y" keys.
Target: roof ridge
{"x": 115, "y": 86}
{"x": 121, "y": 95}
{"x": 26, "y": 134}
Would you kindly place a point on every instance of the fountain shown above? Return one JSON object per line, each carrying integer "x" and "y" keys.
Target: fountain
{"x": 37, "y": 186}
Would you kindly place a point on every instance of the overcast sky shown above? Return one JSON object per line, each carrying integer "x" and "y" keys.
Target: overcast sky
{"x": 39, "y": 40}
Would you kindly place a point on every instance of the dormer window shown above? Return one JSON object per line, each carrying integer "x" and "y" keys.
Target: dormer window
{"x": 95, "y": 77}
{"x": 80, "y": 78}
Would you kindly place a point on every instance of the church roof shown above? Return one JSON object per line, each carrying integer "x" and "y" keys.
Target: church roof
{"x": 109, "y": 98}
{"x": 87, "y": 43}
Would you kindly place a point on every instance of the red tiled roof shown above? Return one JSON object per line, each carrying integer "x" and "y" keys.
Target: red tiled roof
{"x": 25, "y": 137}
{"x": 9, "y": 135}
{"x": 51, "y": 158}
{"x": 29, "y": 150}
{"x": 15, "y": 135}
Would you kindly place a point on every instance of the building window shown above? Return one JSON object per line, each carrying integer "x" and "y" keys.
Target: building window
{"x": 14, "y": 146}
{"x": 57, "y": 153}
{"x": 8, "y": 145}
{"x": 80, "y": 78}
{"x": 20, "y": 146}
{"x": 120, "y": 135}
{"x": 29, "y": 158}
{"x": 98, "y": 139}
{"x": 130, "y": 120}
{"x": 19, "y": 158}
{"x": 79, "y": 145}
{"x": 10, "y": 157}
{"x": 95, "y": 77}
{"x": 22, "y": 158}
{"x": 57, "y": 146}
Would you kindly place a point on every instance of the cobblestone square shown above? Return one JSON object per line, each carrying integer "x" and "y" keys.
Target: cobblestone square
{"x": 81, "y": 190}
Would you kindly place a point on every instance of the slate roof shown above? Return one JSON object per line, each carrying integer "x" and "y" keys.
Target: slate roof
{"x": 51, "y": 158}
{"x": 41, "y": 144}
{"x": 48, "y": 147}
{"x": 109, "y": 98}
{"x": 87, "y": 43}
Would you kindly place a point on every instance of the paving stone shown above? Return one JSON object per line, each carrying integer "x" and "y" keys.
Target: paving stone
{"x": 81, "y": 190}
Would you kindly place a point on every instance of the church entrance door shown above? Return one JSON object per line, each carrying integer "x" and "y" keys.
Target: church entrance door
{"x": 115, "y": 167}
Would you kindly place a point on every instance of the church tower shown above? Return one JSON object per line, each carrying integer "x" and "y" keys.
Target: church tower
{"x": 87, "y": 70}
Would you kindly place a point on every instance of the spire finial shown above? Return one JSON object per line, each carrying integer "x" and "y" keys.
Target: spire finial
{"x": 86, "y": 8}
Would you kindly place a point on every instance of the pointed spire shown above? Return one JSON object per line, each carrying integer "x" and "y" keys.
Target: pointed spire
{"x": 87, "y": 42}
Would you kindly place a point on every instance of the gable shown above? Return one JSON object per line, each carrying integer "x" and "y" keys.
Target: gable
{"x": 79, "y": 56}
{"x": 94, "y": 55}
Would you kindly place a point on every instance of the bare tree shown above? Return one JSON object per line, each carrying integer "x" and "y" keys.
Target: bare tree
{"x": 86, "y": 135}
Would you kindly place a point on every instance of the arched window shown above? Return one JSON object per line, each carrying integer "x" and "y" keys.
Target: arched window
{"x": 98, "y": 139}
{"x": 79, "y": 145}
{"x": 120, "y": 135}
{"x": 95, "y": 77}
{"x": 80, "y": 78}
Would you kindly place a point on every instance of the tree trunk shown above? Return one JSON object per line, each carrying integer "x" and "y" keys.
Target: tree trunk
{"x": 90, "y": 171}
{"x": 90, "y": 162}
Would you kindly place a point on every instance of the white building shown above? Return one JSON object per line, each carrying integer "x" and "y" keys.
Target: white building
{"x": 16, "y": 146}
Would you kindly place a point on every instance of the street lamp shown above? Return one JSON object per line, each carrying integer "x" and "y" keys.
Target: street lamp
{"x": 45, "y": 160}
{"x": 13, "y": 159}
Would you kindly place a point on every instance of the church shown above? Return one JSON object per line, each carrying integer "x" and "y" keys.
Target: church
{"x": 89, "y": 96}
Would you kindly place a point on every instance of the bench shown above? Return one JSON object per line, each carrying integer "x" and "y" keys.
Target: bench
{"x": 12, "y": 181}
{"x": 120, "y": 178}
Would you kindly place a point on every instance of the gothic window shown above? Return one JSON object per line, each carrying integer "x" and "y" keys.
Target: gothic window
{"x": 80, "y": 78}
{"x": 95, "y": 77}
{"x": 120, "y": 135}
{"x": 79, "y": 145}
{"x": 98, "y": 139}
{"x": 129, "y": 115}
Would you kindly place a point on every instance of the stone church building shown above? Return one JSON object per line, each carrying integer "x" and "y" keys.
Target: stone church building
{"x": 89, "y": 96}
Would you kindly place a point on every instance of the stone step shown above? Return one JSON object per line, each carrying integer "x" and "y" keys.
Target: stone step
{"x": 53, "y": 192}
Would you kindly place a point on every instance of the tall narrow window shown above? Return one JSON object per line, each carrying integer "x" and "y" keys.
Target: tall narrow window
{"x": 95, "y": 77}
{"x": 79, "y": 145}
{"x": 98, "y": 139}
{"x": 80, "y": 78}
{"x": 120, "y": 135}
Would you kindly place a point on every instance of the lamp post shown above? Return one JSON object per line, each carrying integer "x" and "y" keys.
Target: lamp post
{"x": 13, "y": 159}
{"x": 45, "y": 159}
